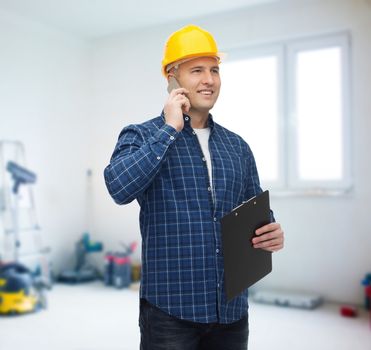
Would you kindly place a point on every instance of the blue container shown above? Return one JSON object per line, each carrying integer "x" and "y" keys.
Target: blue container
{"x": 108, "y": 269}
{"x": 121, "y": 271}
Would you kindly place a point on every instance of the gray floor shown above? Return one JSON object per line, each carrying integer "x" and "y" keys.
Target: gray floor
{"x": 93, "y": 317}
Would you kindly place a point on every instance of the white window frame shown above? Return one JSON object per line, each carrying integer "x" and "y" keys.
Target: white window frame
{"x": 288, "y": 182}
{"x": 259, "y": 52}
{"x": 294, "y": 183}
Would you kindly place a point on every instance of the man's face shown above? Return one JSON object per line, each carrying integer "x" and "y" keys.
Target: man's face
{"x": 200, "y": 77}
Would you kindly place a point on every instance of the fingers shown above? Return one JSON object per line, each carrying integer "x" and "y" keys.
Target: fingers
{"x": 180, "y": 91}
{"x": 186, "y": 105}
{"x": 176, "y": 104}
{"x": 269, "y": 237}
{"x": 269, "y": 227}
{"x": 181, "y": 100}
{"x": 271, "y": 245}
{"x": 178, "y": 97}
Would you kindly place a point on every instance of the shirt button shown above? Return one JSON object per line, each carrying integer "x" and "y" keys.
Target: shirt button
{"x": 194, "y": 132}
{"x": 215, "y": 219}
{"x": 186, "y": 118}
{"x": 204, "y": 159}
{"x": 218, "y": 285}
{"x": 217, "y": 251}
{"x": 172, "y": 137}
{"x": 209, "y": 189}
{"x": 158, "y": 158}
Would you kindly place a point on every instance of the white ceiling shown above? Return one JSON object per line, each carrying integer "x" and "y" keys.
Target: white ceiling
{"x": 96, "y": 18}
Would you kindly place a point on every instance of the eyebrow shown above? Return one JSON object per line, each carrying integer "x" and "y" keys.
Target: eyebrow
{"x": 203, "y": 67}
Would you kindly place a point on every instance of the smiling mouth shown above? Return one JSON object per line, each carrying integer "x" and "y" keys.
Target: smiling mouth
{"x": 206, "y": 92}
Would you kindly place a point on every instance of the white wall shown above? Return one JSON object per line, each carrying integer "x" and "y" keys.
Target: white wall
{"x": 44, "y": 87}
{"x": 327, "y": 238}
{"x": 68, "y": 100}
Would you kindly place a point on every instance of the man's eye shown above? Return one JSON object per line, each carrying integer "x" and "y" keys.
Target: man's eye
{"x": 196, "y": 71}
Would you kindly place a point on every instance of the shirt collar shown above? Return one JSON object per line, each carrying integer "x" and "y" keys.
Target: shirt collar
{"x": 187, "y": 120}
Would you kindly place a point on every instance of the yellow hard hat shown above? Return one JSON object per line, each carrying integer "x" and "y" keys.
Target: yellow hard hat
{"x": 188, "y": 42}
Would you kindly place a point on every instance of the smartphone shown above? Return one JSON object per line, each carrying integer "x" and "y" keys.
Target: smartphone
{"x": 173, "y": 84}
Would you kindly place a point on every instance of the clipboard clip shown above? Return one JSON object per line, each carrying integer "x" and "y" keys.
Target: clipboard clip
{"x": 243, "y": 202}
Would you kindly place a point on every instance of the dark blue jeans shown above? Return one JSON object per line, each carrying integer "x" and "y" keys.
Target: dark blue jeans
{"x": 160, "y": 331}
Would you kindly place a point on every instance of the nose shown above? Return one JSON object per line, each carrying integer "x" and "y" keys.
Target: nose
{"x": 208, "y": 78}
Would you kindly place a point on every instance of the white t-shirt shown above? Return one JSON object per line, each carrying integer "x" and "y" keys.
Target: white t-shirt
{"x": 203, "y": 138}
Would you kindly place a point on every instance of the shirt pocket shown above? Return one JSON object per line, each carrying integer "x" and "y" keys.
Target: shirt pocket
{"x": 230, "y": 176}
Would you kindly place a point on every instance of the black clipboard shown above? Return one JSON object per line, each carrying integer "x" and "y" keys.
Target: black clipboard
{"x": 244, "y": 265}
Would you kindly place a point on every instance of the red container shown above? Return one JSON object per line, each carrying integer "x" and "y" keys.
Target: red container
{"x": 348, "y": 311}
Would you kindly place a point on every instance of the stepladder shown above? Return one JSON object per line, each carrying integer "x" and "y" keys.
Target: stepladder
{"x": 21, "y": 237}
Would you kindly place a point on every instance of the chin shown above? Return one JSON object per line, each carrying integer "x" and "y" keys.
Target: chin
{"x": 204, "y": 108}
{"x": 210, "y": 106}
{"x": 207, "y": 105}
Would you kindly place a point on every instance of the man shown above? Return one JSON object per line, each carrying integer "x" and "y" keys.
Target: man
{"x": 186, "y": 172}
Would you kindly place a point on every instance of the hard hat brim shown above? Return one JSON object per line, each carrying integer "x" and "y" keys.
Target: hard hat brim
{"x": 220, "y": 56}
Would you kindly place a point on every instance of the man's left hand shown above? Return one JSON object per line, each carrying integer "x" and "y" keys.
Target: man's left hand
{"x": 269, "y": 237}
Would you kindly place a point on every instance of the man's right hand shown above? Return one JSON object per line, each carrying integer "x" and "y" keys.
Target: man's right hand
{"x": 176, "y": 104}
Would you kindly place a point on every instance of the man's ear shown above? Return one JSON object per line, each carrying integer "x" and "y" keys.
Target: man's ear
{"x": 169, "y": 76}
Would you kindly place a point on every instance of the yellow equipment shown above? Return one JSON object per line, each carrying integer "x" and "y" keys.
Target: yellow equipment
{"x": 17, "y": 302}
{"x": 189, "y": 42}
{"x": 19, "y": 292}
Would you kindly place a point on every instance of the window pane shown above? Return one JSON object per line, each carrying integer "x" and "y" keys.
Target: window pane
{"x": 248, "y": 105}
{"x": 319, "y": 114}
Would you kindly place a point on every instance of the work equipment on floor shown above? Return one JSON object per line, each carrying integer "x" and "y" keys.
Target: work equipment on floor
{"x": 83, "y": 271}
{"x": 20, "y": 233}
{"x": 20, "y": 291}
{"x": 118, "y": 267}
{"x": 288, "y": 299}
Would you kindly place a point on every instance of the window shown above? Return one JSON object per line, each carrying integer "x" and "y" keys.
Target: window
{"x": 290, "y": 101}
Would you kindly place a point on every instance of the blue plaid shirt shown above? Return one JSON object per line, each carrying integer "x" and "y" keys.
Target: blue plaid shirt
{"x": 182, "y": 257}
